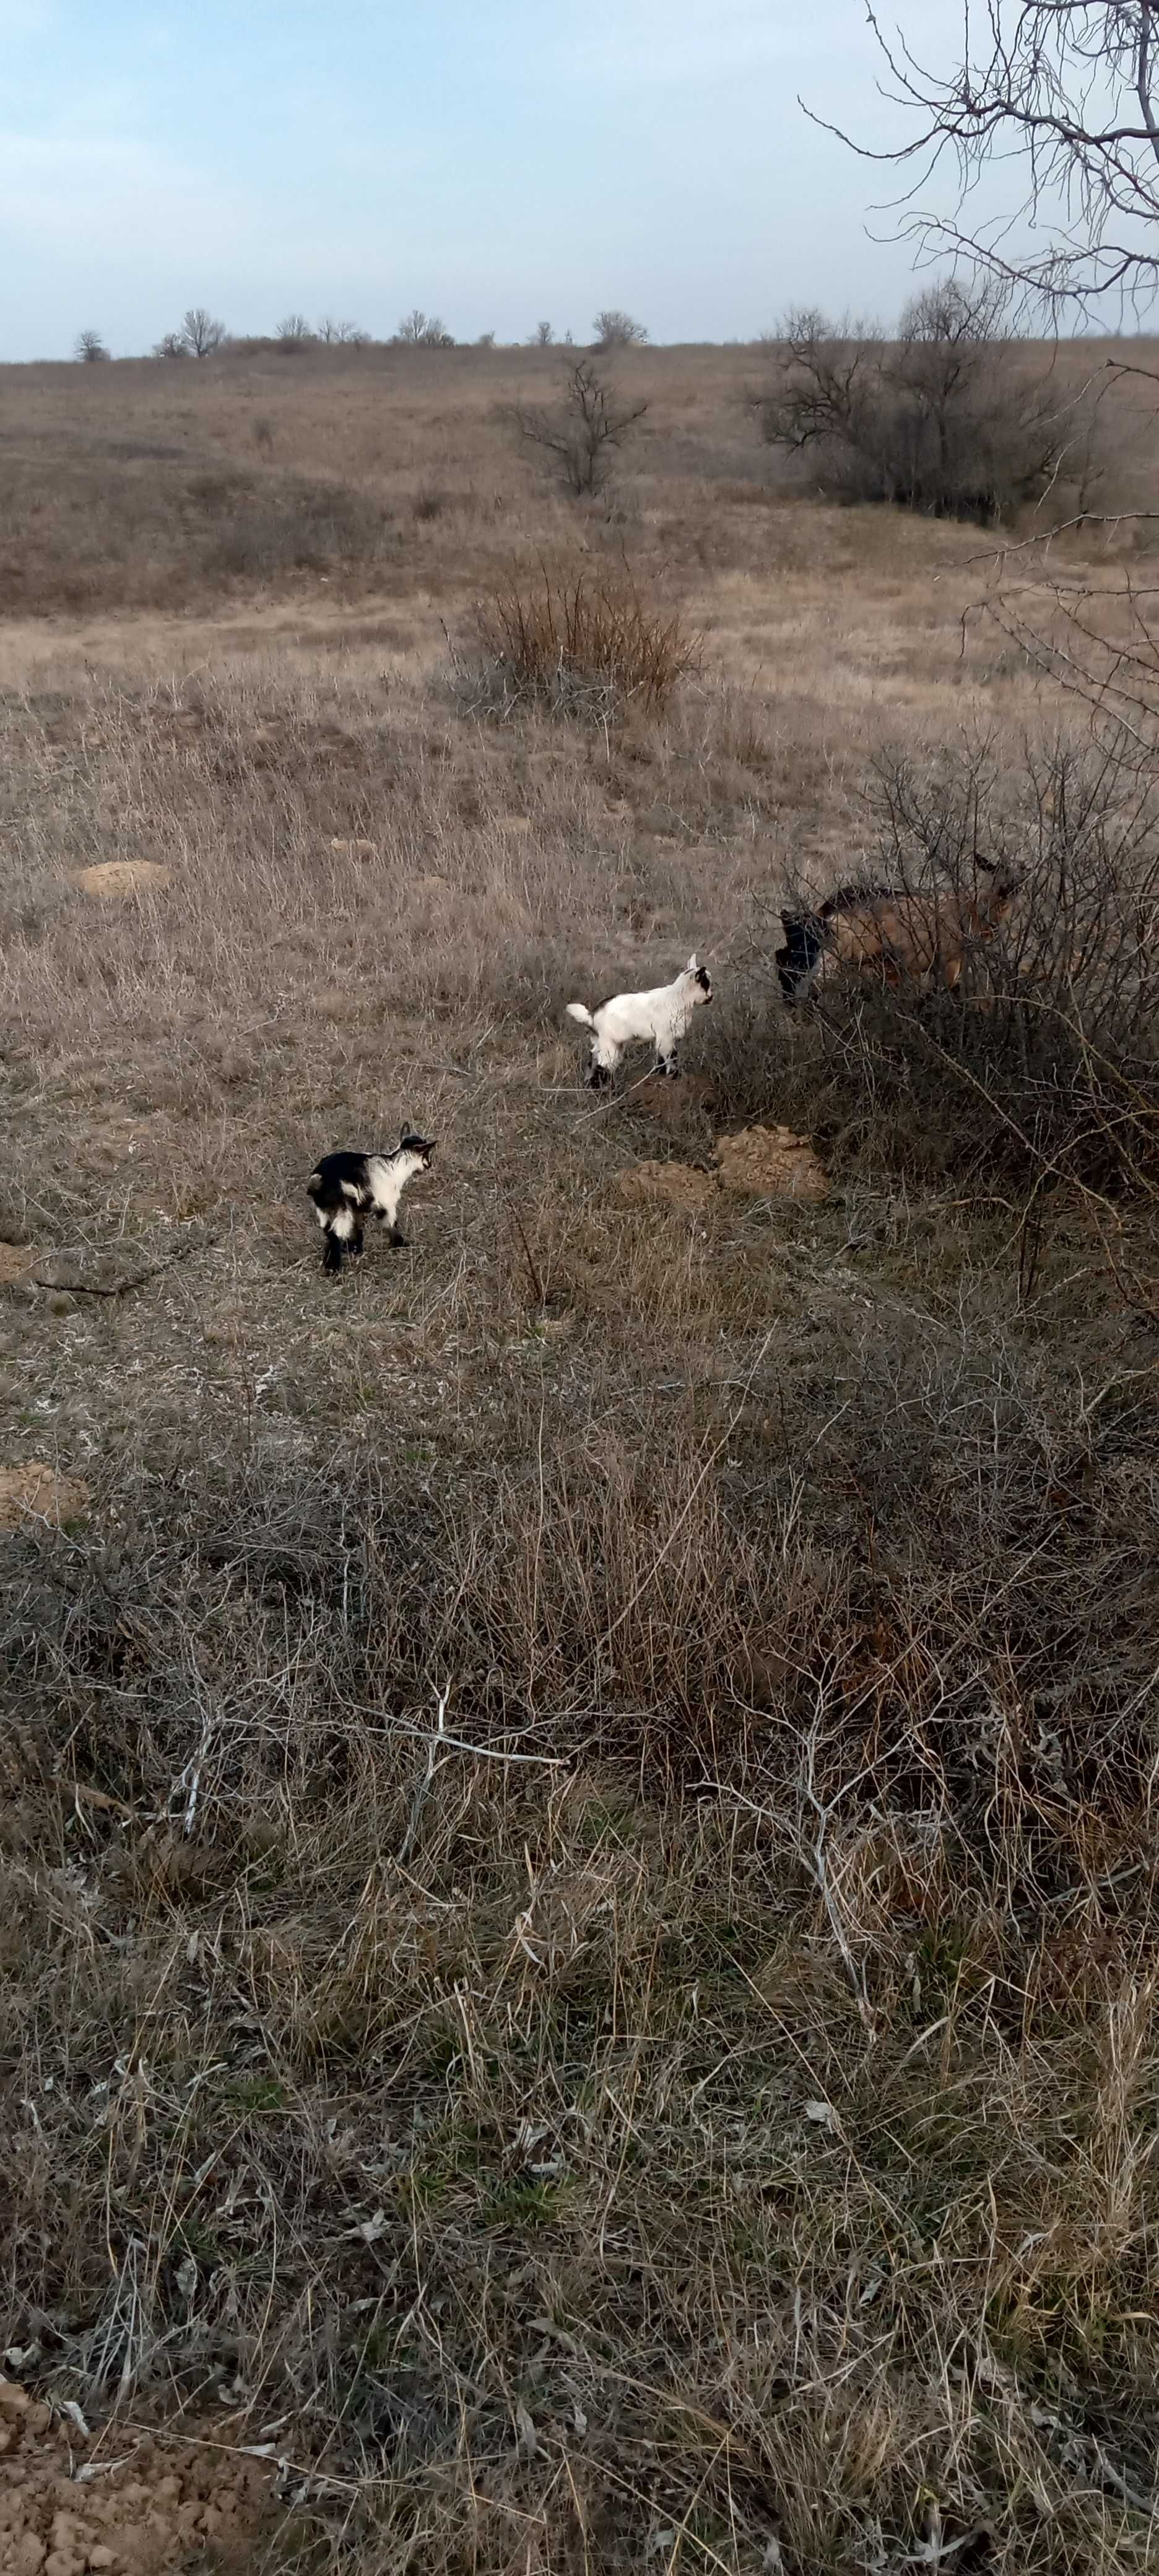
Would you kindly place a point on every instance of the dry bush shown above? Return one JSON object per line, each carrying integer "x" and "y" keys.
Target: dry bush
{"x": 575, "y": 643}
{"x": 585, "y": 432}
{"x": 1045, "y": 1058}
{"x": 949, "y": 418}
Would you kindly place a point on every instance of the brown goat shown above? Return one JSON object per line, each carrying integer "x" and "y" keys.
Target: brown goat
{"x": 902, "y": 936}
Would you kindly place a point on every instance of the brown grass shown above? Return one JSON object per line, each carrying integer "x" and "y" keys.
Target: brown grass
{"x": 696, "y": 2108}
{"x": 574, "y": 644}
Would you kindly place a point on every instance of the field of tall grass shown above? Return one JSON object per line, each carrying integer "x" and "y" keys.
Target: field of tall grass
{"x": 579, "y": 1958}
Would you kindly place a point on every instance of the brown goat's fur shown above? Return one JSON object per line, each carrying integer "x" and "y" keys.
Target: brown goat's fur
{"x": 908, "y": 937}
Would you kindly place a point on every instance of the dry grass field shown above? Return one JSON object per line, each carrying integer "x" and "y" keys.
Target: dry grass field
{"x": 578, "y": 1963}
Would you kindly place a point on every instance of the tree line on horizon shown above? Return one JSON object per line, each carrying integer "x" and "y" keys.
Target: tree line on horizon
{"x": 202, "y": 334}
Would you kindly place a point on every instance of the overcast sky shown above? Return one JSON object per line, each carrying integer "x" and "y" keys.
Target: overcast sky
{"x": 496, "y": 161}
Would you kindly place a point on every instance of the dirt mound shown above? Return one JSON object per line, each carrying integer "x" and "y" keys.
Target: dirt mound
{"x": 355, "y": 849}
{"x": 762, "y": 1162}
{"x": 769, "y": 1162}
{"x": 32, "y": 1488}
{"x": 16, "y": 1260}
{"x": 123, "y": 876}
{"x": 673, "y": 1185}
{"x": 131, "y": 2503}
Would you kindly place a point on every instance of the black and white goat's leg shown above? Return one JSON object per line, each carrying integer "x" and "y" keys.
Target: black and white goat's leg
{"x": 668, "y": 1062}
{"x": 602, "y": 1064}
{"x": 340, "y": 1228}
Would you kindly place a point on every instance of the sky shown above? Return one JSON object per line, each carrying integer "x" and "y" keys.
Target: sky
{"x": 497, "y": 162}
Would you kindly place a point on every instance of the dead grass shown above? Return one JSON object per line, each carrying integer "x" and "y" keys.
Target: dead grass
{"x": 692, "y": 2104}
{"x": 574, "y": 645}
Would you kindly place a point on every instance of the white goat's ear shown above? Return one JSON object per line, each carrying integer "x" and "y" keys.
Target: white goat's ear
{"x": 690, "y": 969}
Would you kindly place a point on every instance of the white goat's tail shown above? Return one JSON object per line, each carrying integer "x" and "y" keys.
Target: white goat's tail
{"x": 580, "y": 1011}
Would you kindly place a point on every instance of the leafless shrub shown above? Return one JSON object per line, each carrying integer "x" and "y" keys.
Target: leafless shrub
{"x": 90, "y": 347}
{"x": 171, "y": 345}
{"x": 587, "y": 430}
{"x": 574, "y": 643}
{"x": 543, "y": 336}
{"x": 947, "y": 419}
{"x": 345, "y": 335}
{"x": 616, "y": 330}
{"x": 1045, "y": 1057}
{"x": 294, "y": 333}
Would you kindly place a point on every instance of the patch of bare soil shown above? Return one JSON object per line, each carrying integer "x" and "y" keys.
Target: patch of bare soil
{"x": 761, "y": 1162}
{"x": 674, "y": 1185}
{"x": 771, "y": 1162}
{"x": 114, "y": 877}
{"x": 345, "y": 849}
{"x": 32, "y": 1488}
{"x": 155, "y": 2507}
{"x": 16, "y": 1261}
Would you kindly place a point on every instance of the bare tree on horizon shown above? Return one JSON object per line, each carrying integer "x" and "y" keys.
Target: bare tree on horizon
{"x": 616, "y": 330}
{"x": 201, "y": 334}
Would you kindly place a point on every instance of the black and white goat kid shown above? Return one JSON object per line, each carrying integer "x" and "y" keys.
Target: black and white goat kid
{"x": 347, "y": 1188}
{"x": 659, "y": 1018}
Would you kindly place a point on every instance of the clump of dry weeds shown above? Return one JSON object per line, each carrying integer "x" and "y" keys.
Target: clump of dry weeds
{"x": 574, "y": 643}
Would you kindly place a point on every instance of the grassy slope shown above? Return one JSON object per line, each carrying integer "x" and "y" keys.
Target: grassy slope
{"x": 729, "y": 2129}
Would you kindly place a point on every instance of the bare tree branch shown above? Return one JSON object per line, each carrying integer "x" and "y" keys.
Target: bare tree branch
{"x": 1065, "y": 91}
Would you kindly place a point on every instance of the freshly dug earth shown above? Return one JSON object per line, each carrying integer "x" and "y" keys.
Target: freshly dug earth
{"x": 773, "y": 1162}
{"x": 158, "y": 2508}
{"x": 761, "y": 1162}
{"x": 31, "y": 1487}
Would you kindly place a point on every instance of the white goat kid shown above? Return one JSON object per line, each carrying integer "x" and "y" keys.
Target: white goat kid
{"x": 659, "y": 1018}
